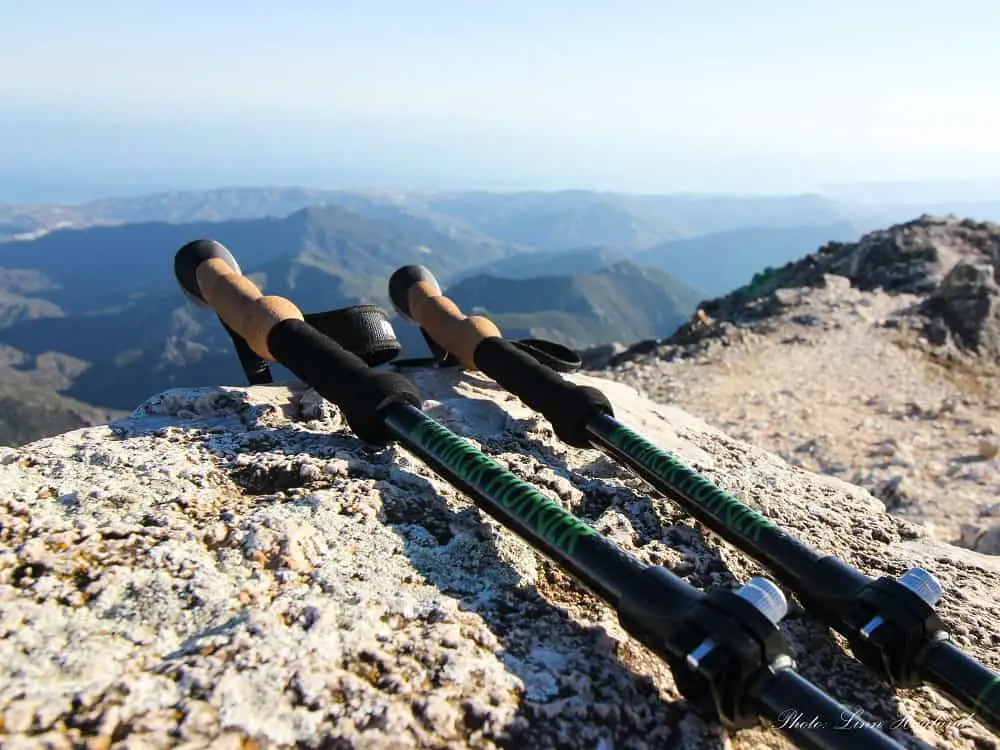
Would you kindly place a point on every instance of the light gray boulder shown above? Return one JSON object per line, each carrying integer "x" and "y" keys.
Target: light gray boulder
{"x": 231, "y": 567}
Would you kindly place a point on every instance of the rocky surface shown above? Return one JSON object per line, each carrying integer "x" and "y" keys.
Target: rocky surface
{"x": 875, "y": 362}
{"x": 232, "y": 568}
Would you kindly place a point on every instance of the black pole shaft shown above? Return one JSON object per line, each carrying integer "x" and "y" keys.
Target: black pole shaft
{"x": 791, "y": 561}
{"x": 733, "y": 520}
{"x": 607, "y": 570}
{"x": 966, "y": 681}
{"x": 598, "y": 563}
{"x": 811, "y": 719}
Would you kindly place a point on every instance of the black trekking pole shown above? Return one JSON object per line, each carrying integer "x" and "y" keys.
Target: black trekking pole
{"x": 723, "y": 647}
{"x": 891, "y": 624}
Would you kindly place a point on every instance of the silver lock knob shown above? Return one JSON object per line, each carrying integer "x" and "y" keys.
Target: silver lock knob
{"x": 921, "y": 583}
{"x": 765, "y": 596}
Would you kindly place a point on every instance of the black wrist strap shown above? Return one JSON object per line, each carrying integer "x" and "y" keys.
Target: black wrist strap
{"x": 554, "y": 356}
{"x": 363, "y": 330}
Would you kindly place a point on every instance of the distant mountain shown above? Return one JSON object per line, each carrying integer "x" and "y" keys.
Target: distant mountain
{"x": 225, "y": 204}
{"x": 624, "y": 302}
{"x": 106, "y": 296}
{"x": 552, "y": 221}
{"x": 100, "y": 268}
{"x": 694, "y": 215}
{"x": 722, "y": 261}
{"x": 174, "y": 207}
{"x": 545, "y": 220}
{"x": 546, "y": 263}
{"x": 30, "y": 405}
{"x": 627, "y": 222}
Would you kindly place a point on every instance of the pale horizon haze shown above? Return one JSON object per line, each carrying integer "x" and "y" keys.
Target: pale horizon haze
{"x": 642, "y": 96}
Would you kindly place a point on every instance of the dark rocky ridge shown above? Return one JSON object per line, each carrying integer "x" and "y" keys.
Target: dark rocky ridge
{"x": 952, "y": 264}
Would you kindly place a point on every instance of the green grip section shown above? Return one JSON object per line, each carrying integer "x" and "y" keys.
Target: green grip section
{"x": 686, "y": 481}
{"x": 540, "y": 514}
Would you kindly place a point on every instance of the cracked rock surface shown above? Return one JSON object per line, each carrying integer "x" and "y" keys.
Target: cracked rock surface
{"x": 232, "y": 568}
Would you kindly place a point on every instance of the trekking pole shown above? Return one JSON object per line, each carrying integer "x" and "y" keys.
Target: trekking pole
{"x": 891, "y": 624}
{"x": 723, "y": 647}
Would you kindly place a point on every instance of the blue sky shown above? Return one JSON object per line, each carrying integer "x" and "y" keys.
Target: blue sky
{"x": 759, "y": 96}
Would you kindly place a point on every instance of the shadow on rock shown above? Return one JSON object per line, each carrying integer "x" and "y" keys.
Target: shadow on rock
{"x": 618, "y": 503}
{"x": 579, "y": 686}
{"x": 577, "y": 690}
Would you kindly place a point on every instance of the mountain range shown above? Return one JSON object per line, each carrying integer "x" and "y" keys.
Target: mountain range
{"x": 622, "y": 301}
{"x": 91, "y": 286}
{"x": 544, "y": 220}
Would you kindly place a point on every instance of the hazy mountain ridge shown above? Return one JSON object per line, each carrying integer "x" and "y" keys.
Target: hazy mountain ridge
{"x": 93, "y": 268}
{"x": 721, "y": 261}
{"x": 622, "y": 221}
{"x": 179, "y": 207}
{"x": 621, "y": 302}
{"x": 547, "y": 263}
{"x": 548, "y": 220}
{"x": 558, "y": 219}
{"x": 106, "y": 295}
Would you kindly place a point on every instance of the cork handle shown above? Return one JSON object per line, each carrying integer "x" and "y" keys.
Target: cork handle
{"x": 209, "y": 275}
{"x": 447, "y": 324}
{"x": 240, "y": 303}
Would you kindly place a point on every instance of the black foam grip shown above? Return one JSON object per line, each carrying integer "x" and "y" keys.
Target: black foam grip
{"x": 342, "y": 378}
{"x": 566, "y": 405}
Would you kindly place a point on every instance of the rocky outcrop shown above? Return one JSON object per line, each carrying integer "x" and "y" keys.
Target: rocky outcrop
{"x": 965, "y": 308}
{"x": 949, "y": 266}
{"x": 232, "y": 568}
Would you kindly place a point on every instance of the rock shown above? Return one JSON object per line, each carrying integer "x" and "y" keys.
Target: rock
{"x": 981, "y": 539}
{"x": 948, "y": 406}
{"x": 894, "y": 453}
{"x": 599, "y": 357}
{"x": 989, "y": 542}
{"x": 893, "y": 491}
{"x": 989, "y": 448}
{"x": 787, "y": 297}
{"x": 969, "y": 534}
{"x": 967, "y": 304}
{"x": 214, "y": 571}
{"x": 636, "y": 350}
{"x": 835, "y": 283}
{"x": 887, "y": 447}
